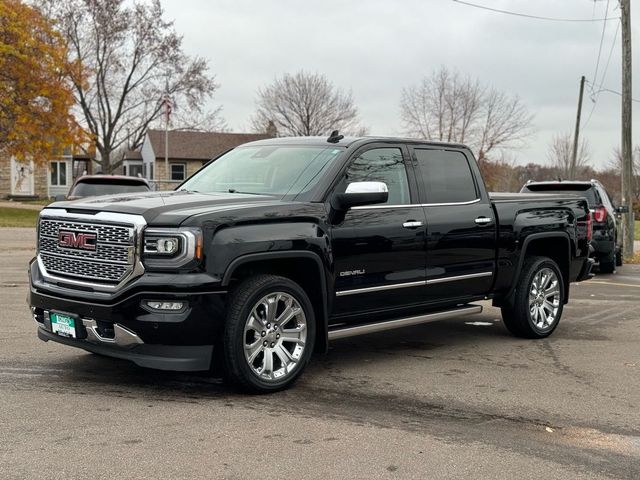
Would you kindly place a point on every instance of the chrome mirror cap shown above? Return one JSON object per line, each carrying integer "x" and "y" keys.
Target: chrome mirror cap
{"x": 367, "y": 187}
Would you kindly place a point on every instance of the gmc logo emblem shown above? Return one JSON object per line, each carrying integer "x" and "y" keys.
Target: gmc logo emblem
{"x": 77, "y": 240}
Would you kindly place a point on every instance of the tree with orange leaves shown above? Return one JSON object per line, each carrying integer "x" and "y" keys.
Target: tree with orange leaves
{"x": 35, "y": 94}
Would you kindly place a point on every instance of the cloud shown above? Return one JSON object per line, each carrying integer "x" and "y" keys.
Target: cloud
{"x": 376, "y": 47}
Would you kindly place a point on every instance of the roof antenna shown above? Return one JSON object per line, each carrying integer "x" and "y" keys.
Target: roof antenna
{"x": 335, "y": 137}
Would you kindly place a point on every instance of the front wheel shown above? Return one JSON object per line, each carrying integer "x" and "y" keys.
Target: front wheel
{"x": 269, "y": 333}
{"x": 537, "y": 303}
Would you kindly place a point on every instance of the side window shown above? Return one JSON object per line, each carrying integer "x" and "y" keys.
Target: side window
{"x": 446, "y": 176}
{"x": 382, "y": 165}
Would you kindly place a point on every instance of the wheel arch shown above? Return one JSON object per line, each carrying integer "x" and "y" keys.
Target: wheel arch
{"x": 544, "y": 244}
{"x": 303, "y": 267}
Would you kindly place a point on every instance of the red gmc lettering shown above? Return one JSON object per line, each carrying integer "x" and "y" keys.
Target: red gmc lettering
{"x": 85, "y": 241}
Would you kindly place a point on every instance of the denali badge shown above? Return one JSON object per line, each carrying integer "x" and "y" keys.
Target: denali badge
{"x": 349, "y": 273}
{"x": 78, "y": 240}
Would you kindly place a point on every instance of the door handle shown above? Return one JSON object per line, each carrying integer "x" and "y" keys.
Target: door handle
{"x": 483, "y": 220}
{"x": 412, "y": 224}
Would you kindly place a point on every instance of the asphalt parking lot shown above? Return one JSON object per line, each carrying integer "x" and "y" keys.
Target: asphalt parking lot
{"x": 459, "y": 398}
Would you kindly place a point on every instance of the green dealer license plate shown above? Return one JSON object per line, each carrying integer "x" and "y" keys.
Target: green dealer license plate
{"x": 63, "y": 325}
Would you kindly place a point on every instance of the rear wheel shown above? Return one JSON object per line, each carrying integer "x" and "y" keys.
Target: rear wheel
{"x": 608, "y": 262}
{"x": 619, "y": 257}
{"x": 269, "y": 334}
{"x": 538, "y": 301}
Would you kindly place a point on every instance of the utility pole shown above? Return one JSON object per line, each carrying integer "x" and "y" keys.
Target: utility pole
{"x": 574, "y": 154}
{"x": 627, "y": 159}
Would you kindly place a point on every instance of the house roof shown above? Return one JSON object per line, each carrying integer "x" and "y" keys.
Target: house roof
{"x": 132, "y": 155}
{"x": 189, "y": 145}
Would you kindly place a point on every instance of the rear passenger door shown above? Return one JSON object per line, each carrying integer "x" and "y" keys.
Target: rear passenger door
{"x": 461, "y": 225}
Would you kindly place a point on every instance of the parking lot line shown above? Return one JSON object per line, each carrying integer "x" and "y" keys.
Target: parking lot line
{"x": 613, "y": 283}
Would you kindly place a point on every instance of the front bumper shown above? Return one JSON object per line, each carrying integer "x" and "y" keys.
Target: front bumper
{"x": 161, "y": 357}
{"x": 120, "y": 326}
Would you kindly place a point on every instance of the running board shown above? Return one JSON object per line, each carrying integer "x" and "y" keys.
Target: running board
{"x": 345, "y": 332}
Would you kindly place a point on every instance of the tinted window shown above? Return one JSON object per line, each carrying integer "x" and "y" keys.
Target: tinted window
{"x": 381, "y": 165}
{"x": 583, "y": 190}
{"x": 89, "y": 189}
{"x": 446, "y": 176}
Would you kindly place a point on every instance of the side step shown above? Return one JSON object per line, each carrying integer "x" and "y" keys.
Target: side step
{"x": 344, "y": 332}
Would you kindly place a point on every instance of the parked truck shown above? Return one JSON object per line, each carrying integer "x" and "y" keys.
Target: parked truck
{"x": 279, "y": 246}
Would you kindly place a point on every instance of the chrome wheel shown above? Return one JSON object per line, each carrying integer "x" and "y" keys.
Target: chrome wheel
{"x": 544, "y": 298}
{"x": 274, "y": 336}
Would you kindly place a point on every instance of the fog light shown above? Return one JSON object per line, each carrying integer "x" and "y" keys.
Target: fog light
{"x": 162, "y": 306}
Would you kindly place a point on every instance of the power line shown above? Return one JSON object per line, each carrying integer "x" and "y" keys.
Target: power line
{"x": 637, "y": 100}
{"x": 596, "y": 95}
{"x": 536, "y": 17}
{"x": 604, "y": 28}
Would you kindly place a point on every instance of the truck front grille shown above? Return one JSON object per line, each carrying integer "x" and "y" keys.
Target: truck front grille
{"x": 110, "y": 258}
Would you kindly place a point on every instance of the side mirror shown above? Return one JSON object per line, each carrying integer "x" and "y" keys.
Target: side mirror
{"x": 622, "y": 209}
{"x": 60, "y": 198}
{"x": 360, "y": 193}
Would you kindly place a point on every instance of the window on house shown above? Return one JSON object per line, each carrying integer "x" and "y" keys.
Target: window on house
{"x": 134, "y": 170}
{"x": 178, "y": 171}
{"x": 59, "y": 174}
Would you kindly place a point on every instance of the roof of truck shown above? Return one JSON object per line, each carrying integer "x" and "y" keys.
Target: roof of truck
{"x": 346, "y": 141}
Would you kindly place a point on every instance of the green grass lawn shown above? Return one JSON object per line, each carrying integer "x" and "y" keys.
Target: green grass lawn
{"x": 636, "y": 230}
{"x": 18, "y": 217}
{"x": 41, "y": 201}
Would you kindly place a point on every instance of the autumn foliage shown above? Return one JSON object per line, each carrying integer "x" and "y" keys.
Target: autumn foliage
{"x": 35, "y": 94}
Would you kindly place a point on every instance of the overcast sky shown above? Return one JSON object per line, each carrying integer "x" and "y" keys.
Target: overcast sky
{"x": 376, "y": 47}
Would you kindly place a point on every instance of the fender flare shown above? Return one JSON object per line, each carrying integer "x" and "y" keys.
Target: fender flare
{"x": 523, "y": 250}
{"x": 323, "y": 322}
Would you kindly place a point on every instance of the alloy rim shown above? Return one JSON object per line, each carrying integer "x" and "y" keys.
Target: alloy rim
{"x": 544, "y": 299}
{"x": 274, "y": 336}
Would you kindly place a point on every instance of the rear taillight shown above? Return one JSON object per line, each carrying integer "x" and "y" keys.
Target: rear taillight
{"x": 600, "y": 214}
{"x": 589, "y": 227}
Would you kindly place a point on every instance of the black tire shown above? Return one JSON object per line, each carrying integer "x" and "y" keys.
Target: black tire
{"x": 619, "y": 257}
{"x": 242, "y": 301}
{"x": 608, "y": 262}
{"x": 517, "y": 316}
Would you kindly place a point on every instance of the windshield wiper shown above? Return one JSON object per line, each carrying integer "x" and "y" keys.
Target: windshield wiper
{"x": 233, "y": 190}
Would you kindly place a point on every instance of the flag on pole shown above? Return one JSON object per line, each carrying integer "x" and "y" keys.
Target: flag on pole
{"x": 168, "y": 106}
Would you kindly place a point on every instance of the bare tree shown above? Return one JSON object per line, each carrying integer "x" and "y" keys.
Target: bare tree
{"x": 615, "y": 164}
{"x": 128, "y": 57}
{"x": 560, "y": 154}
{"x": 305, "y": 104}
{"x": 447, "y": 107}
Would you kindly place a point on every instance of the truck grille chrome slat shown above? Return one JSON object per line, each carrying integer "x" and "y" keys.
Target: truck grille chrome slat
{"x": 105, "y": 263}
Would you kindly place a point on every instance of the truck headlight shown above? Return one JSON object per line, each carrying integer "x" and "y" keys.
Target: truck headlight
{"x": 171, "y": 247}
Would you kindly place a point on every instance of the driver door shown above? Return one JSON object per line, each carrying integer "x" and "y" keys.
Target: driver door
{"x": 379, "y": 250}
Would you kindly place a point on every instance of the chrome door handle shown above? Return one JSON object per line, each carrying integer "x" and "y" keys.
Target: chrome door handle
{"x": 483, "y": 220}
{"x": 412, "y": 224}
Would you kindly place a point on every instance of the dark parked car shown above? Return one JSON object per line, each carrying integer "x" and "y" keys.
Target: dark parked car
{"x": 282, "y": 245}
{"x": 92, "y": 185}
{"x": 605, "y": 242}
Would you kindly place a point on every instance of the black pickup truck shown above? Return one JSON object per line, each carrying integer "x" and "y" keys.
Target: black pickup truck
{"x": 279, "y": 246}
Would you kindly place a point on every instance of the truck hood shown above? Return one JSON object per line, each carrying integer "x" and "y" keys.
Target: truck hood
{"x": 166, "y": 208}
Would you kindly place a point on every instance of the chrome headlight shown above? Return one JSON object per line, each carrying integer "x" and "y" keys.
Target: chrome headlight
{"x": 171, "y": 247}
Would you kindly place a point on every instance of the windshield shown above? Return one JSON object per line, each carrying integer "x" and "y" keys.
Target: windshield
{"x": 90, "y": 189}
{"x": 270, "y": 170}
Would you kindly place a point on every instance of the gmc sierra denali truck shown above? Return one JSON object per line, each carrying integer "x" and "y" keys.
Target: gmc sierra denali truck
{"x": 279, "y": 246}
